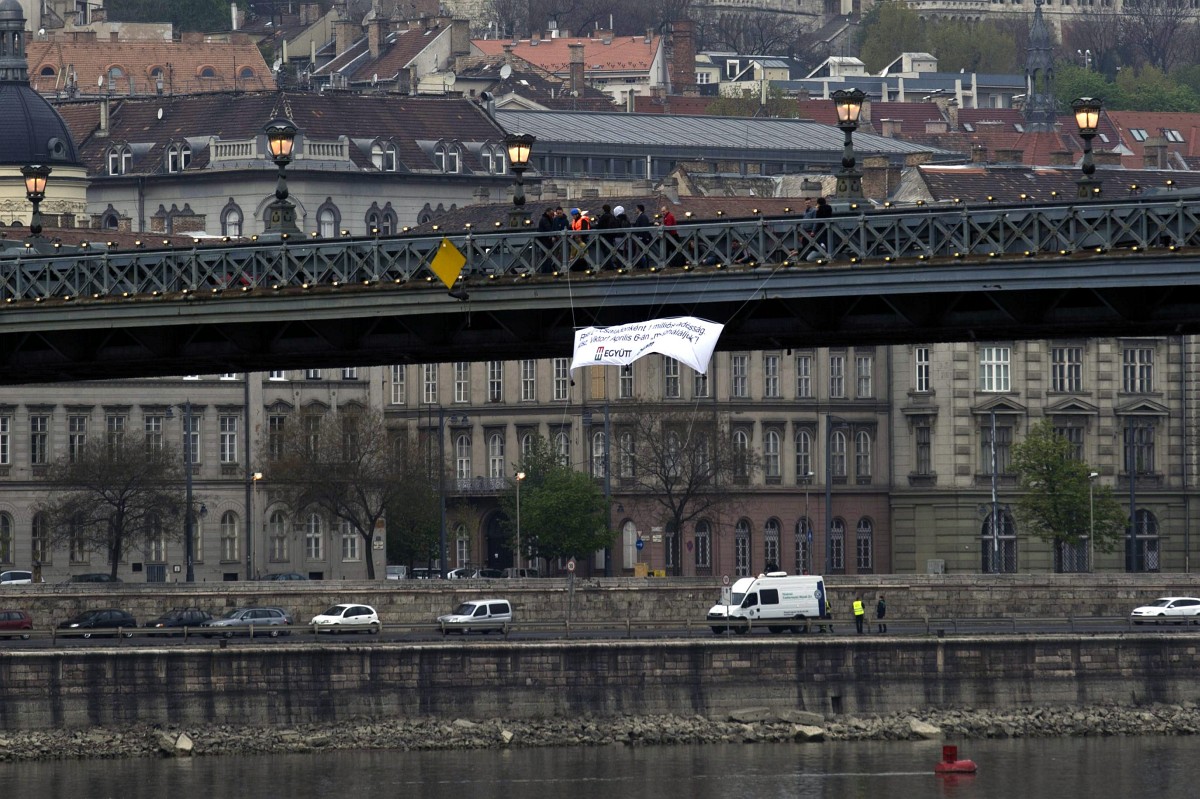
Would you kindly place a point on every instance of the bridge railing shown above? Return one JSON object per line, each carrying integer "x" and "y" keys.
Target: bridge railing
{"x": 869, "y": 237}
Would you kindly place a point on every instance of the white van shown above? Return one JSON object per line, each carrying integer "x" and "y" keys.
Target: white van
{"x": 483, "y": 615}
{"x": 776, "y": 600}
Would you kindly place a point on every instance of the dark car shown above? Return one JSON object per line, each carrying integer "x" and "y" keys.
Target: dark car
{"x": 94, "y": 577}
{"x": 266, "y": 621}
{"x": 102, "y": 619}
{"x": 181, "y": 617}
{"x": 15, "y": 620}
{"x": 285, "y": 576}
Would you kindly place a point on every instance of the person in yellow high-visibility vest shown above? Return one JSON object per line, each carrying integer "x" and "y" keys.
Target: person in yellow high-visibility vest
{"x": 859, "y": 613}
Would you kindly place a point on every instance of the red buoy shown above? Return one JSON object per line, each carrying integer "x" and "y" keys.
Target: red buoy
{"x": 951, "y": 764}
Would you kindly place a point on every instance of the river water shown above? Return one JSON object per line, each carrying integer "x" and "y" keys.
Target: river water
{"x": 1095, "y": 768}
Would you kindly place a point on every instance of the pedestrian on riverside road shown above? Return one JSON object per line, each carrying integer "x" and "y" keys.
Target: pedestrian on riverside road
{"x": 859, "y": 613}
{"x": 880, "y": 612}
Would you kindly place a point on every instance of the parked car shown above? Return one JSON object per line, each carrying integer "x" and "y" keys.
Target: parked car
{"x": 101, "y": 619}
{"x": 515, "y": 573}
{"x": 396, "y": 572}
{"x": 14, "y": 620}
{"x": 92, "y": 577}
{"x": 181, "y": 617}
{"x": 422, "y": 573}
{"x": 1173, "y": 609}
{"x": 285, "y": 576}
{"x": 266, "y": 621}
{"x": 471, "y": 573}
{"x": 483, "y": 615}
{"x": 348, "y": 617}
{"x": 16, "y": 577}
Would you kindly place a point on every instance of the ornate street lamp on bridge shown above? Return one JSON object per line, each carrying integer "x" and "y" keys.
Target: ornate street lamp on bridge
{"x": 519, "y": 147}
{"x": 849, "y": 105}
{"x": 1087, "y": 117}
{"x": 36, "y": 176}
{"x": 281, "y": 214}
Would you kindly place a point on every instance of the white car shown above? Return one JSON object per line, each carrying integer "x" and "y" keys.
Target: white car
{"x": 483, "y": 615}
{"x": 16, "y": 577}
{"x": 347, "y": 618}
{"x": 1173, "y": 609}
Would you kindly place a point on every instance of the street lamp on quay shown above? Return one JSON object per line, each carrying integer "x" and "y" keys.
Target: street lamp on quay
{"x": 808, "y": 477}
{"x": 520, "y": 479}
{"x": 1091, "y": 517}
{"x": 519, "y": 147}
{"x": 189, "y": 519}
{"x": 254, "y": 480}
{"x": 849, "y": 105}
{"x": 1087, "y": 119}
{"x": 281, "y": 214}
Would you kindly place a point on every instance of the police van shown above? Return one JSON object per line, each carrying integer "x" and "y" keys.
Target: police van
{"x": 776, "y": 600}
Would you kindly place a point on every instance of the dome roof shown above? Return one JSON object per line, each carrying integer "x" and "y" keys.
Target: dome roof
{"x": 32, "y": 131}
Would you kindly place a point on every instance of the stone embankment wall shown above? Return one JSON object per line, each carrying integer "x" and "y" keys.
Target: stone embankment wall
{"x": 618, "y": 599}
{"x": 249, "y": 684}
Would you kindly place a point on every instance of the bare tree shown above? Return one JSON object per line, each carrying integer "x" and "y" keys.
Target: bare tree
{"x": 1158, "y": 30}
{"x": 685, "y": 462}
{"x": 115, "y": 496}
{"x": 755, "y": 32}
{"x": 344, "y": 464}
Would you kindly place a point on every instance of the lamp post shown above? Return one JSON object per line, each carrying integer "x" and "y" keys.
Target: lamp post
{"x": 808, "y": 476}
{"x": 36, "y": 176}
{"x": 1091, "y": 517}
{"x": 189, "y": 523}
{"x": 520, "y": 479}
{"x": 442, "y": 420}
{"x": 281, "y": 214}
{"x": 1087, "y": 118}
{"x": 518, "y": 146}
{"x": 849, "y": 105}
{"x": 254, "y": 478}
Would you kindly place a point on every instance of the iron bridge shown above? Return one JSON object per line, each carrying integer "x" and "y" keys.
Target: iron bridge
{"x": 918, "y": 274}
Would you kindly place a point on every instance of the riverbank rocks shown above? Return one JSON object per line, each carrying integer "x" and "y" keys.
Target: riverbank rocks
{"x": 776, "y": 725}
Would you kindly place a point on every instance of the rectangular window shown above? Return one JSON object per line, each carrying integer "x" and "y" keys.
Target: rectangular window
{"x": 771, "y": 376}
{"x": 699, "y": 385}
{"x": 1066, "y": 369}
{"x": 921, "y": 369}
{"x": 670, "y": 378}
{"x": 191, "y": 435}
{"x": 228, "y": 376}
{"x": 837, "y": 375}
{"x": 625, "y": 382}
{"x": 39, "y": 440}
{"x": 739, "y": 367}
{"x": 5, "y": 440}
{"x": 462, "y": 551}
{"x": 994, "y": 368}
{"x": 350, "y": 542}
{"x": 229, "y": 439}
{"x": 1003, "y": 449}
{"x": 1138, "y": 370}
{"x": 495, "y": 381}
{"x": 529, "y": 380}
{"x": 278, "y": 375}
{"x": 312, "y": 374}
{"x": 864, "y": 367}
{"x": 804, "y": 377}
{"x": 114, "y": 430}
{"x": 76, "y": 437}
{"x": 429, "y": 383}
{"x": 1074, "y": 435}
{"x": 1139, "y": 446}
{"x": 462, "y": 381}
{"x": 350, "y": 373}
{"x": 275, "y": 436}
{"x": 398, "y": 390}
{"x": 923, "y": 440}
{"x": 153, "y": 428}
{"x": 562, "y": 379}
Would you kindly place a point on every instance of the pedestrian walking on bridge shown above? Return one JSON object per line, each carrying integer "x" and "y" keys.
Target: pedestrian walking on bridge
{"x": 859, "y": 613}
{"x": 880, "y": 612}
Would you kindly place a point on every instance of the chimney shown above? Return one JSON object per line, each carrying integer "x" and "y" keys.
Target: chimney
{"x": 1106, "y": 157}
{"x": 508, "y": 54}
{"x": 535, "y": 39}
{"x": 375, "y": 37}
{"x": 937, "y": 126}
{"x": 681, "y": 56}
{"x": 979, "y": 154}
{"x": 1009, "y": 155}
{"x": 1154, "y": 153}
{"x": 879, "y": 177}
{"x": 576, "y": 82}
{"x": 1062, "y": 158}
{"x": 649, "y": 36}
{"x": 890, "y": 128}
{"x": 344, "y": 35}
{"x": 309, "y": 13}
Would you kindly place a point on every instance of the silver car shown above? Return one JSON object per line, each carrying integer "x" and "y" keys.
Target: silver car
{"x": 264, "y": 621}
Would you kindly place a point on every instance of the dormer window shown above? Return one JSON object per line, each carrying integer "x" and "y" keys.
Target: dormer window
{"x": 1172, "y": 135}
{"x": 1138, "y": 134}
{"x": 447, "y": 158}
{"x": 494, "y": 158}
{"x": 120, "y": 159}
{"x": 383, "y": 156}
{"x": 179, "y": 157}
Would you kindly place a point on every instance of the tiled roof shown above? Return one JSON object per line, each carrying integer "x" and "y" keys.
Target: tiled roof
{"x": 1153, "y": 124}
{"x": 531, "y": 82}
{"x": 975, "y": 183}
{"x": 1009, "y": 118}
{"x": 235, "y": 65}
{"x": 409, "y": 121}
{"x": 681, "y": 104}
{"x": 396, "y": 52}
{"x": 624, "y": 54}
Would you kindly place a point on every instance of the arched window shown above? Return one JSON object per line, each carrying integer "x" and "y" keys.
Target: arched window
{"x": 351, "y": 552}
{"x": 446, "y": 156}
{"x": 47, "y": 71}
{"x": 629, "y": 544}
{"x": 625, "y": 456}
{"x": 599, "y": 448}
{"x": 314, "y": 538}
{"x": 156, "y": 549}
{"x": 741, "y": 454}
{"x": 1145, "y": 542}
{"x": 462, "y": 456}
{"x": 110, "y": 221}
{"x": 277, "y": 531}
{"x": 804, "y": 460}
{"x": 207, "y": 73}
{"x": 383, "y": 156}
{"x": 838, "y": 454}
{"x": 804, "y": 546}
{"x": 114, "y": 74}
{"x": 76, "y": 545}
{"x": 179, "y": 157}
{"x": 771, "y": 460}
{"x": 230, "y": 547}
{"x": 246, "y": 73}
{"x": 528, "y": 439}
{"x": 837, "y": 546}
{"x": 462, "y": 546}
{"x": 703, "y": 547}
{"x": 495, "y": 159}
{"x": 231, "y": 220}
{"x": 562, "y": 446}
{"x": 377, "y": 155}
{"x": 999, "y": 555}
{"x": 328, "y": 220}
{"x": 496, "y": 456}
{"x": 381, "y": 221}
{"x": 862, "y": 455}
{"x": 741, "y": 548}
{"x": 864, "y": 547}
{"x": 771, "y": 545}
{"x": 120, "y": 159}
{"x": 39, "y": 539}
{"x": 6, "y": 538}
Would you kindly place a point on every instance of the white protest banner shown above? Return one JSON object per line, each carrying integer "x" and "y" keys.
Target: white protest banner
{"x": 685, "y": 338}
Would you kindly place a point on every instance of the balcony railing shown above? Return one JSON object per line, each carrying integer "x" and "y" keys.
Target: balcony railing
{"x": 927, "y": 233}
